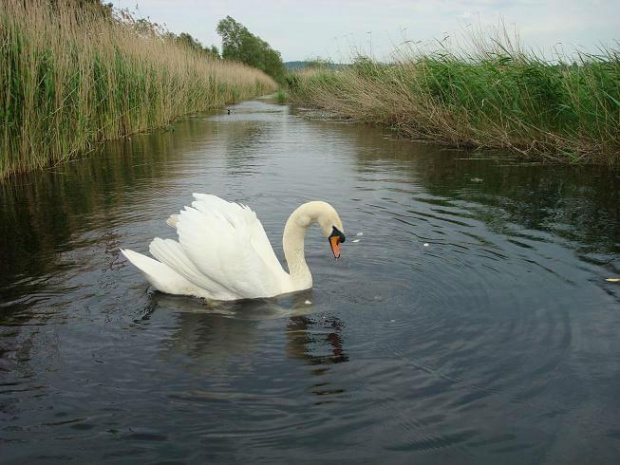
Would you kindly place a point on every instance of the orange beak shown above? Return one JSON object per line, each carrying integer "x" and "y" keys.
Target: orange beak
{"x": 334, "y": 242}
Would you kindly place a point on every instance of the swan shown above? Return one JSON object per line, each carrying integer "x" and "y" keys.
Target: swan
{"x": 224, "y": 254}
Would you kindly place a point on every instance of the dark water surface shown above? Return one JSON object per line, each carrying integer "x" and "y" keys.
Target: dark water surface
{"x": 471, "y": 323}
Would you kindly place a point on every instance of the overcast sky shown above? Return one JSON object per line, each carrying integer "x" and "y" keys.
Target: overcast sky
{"x": 337, "y": 29}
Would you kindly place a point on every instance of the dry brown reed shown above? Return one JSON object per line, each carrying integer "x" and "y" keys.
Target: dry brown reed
{"x": 71, "y": 77}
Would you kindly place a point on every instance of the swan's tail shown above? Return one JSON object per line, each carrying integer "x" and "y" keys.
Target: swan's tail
{"x": 171, "y": 254}
{"x": 161, "y": 276}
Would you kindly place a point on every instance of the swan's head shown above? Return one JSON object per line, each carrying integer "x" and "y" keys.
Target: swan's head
{"x": 328, "y": 219}
{"x": 331, "y": 227}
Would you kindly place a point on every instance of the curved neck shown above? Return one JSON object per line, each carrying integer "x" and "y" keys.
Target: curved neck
{"x": 293, "y": 242}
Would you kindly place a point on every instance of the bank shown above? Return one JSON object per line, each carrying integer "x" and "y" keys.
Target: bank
{"x": 73, "y": 76}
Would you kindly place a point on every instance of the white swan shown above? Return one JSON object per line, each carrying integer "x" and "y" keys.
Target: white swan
{"x": 223, "y": 252}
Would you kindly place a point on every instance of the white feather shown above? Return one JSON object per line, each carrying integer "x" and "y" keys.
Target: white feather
{"x": 162, "y": 277}
{"x": 219, "y": 243}
{"x": 172, "y": 221}
{"x": 171, "y": 253}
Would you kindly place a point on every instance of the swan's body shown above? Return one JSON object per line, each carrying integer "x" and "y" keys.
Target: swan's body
{"x": 223, "y": 252}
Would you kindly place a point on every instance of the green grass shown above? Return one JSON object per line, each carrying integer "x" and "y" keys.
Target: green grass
{"x": 493, "y": 99}
{"x": 282, "y": 96}
{"x": 71, "y": 78}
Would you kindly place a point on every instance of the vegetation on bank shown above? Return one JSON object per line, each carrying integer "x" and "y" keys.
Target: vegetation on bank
{"x": 497, "y": 98}
{"x": 239, "y": 44}
{"x": 72, "y": 75}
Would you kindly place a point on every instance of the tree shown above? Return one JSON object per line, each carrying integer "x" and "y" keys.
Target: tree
{"x": 232, "y": 38}
{"x": 239, "y": 44}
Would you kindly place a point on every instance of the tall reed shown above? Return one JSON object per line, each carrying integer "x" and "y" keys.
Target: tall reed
{"x": 71, "y": 77}
{"x": 498, "y": 97}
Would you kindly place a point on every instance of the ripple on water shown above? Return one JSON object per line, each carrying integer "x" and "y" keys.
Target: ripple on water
{"x": 469, "y": 324}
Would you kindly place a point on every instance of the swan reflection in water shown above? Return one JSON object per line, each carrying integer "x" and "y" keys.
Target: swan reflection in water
{"x": 220, "y": 338}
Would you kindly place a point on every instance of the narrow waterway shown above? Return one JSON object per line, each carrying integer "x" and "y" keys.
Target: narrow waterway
{"x": 468, "y": 320}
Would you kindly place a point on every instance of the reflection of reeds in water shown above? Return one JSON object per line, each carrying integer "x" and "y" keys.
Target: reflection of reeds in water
{"x": 498, "y": 96}
{"x": 43, "y": 210}
{"x": 72, "y": 76}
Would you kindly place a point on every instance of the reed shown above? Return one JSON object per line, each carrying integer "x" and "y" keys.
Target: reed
{"x": 71, "y": 77}
{"x": 498, "y": 97}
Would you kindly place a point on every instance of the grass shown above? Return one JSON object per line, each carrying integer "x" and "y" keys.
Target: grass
{"x": 71, "y": 77}
{"x": 497, "y": 97}
{"x": 282, "y": 96}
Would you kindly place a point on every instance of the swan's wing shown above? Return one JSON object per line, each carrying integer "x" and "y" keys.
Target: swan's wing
{"x": 242, "y": 216}
{"x": 162, "y": 277}
{"x": 260, "y": 241}
{"x": 171, "y": 253}
{"x": 226, "y": 244}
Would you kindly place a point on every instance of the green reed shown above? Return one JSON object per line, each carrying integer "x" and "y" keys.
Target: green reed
{"x": 71, "y": 78}
{"x": 494, "y": 99}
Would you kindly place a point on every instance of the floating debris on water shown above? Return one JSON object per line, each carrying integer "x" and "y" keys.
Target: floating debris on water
{"x": 613, "y": 280}
{"x": 307, "y": 302}
{"x": 426, "y": 244}
{"x": 360, "y": 234}
{"x": 355, "y": 240}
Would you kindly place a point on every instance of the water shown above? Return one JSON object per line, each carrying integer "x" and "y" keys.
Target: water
{"x": 471, "y": 323}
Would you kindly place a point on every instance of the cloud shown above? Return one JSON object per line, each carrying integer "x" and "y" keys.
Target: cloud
{"x": 331, "y": 28}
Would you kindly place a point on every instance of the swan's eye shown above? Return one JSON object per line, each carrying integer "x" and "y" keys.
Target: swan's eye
{"x": 337, "y": 233}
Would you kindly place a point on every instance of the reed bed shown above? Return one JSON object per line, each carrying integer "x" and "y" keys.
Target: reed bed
{"x": 498, "y": 97}
{"x": 71, "y": 77}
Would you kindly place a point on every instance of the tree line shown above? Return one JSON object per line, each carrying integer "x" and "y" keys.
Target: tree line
{"x": 238, "y": 43}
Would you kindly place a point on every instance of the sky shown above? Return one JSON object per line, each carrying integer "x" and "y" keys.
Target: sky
{"x": 339, "y": 30}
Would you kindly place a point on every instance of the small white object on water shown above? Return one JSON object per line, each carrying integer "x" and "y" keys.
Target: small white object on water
{"x": 360, "y": 234}
{"x": 356, "y": 240}
{"x": 307, "y": 302}
{"x": 392, "y": 321}
{"x": 613, "y": 280}
{"x": 426, "y": 244}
